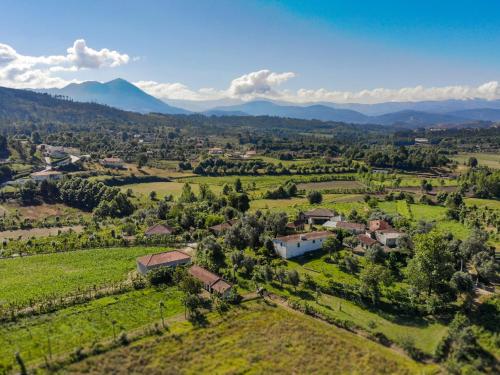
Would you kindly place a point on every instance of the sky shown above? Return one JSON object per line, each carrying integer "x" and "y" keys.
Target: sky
{"x": 296, "y": 51}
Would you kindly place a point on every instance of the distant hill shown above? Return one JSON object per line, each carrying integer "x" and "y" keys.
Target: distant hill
{"x": 483, "y": 114}
{"x": 118, "y": 93}
{"x": 316, "y": 112}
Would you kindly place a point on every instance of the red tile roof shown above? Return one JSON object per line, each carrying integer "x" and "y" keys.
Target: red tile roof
{"x": 205, "y": 276}
{"x": 378, "y": 225}
{"x": 163, "y": 258}
{"x": 319, "y": 212}
{"x": 348, "y": 225}
{"x": 159, "y": 229}
{"x": 366, "y": 240}
{"x": 220, "y": 286}
{"x": 305, "y": 236}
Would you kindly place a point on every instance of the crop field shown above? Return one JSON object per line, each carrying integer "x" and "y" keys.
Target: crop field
{"x": 489, "y": 203}
{"x": 163, "y": 188}
{"x": 83, "y": 325}
{"x": 331, "y": 185}
{"x": 37, "y": 232}
{"x": 254, "y": 339}
{"x": 491, "y": 160}
{"x": 58, "y": 274}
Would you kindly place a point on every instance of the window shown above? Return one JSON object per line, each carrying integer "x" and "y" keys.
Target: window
{"x": 298, "y": 244}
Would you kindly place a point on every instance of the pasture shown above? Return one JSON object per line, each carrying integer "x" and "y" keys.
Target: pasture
{"x": 59, "y": 274}
{"x": 84, "y": 325}
{"x": 255, "y": 338}
{"x": 491, "y": 160}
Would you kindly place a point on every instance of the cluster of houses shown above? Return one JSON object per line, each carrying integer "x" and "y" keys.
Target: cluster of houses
{"x": 211, "y": 282}
{"x": 378, "y": 232}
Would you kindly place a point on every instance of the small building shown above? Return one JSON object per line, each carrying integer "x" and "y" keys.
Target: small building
{"x": 375, "y": 225}
{"x": 353, "y": 228}
{"x": 366, "y": 241}
{"x": 115, "y": 163}
{"x": 46, "y": 175}
{"x": 388, "y": 237}
{"x": 250, "y": 154}
{"x": 296, "y": 245}
{"x": 149, "y": 262}
{"x": 159, "y": 230}
{"x": 295, "y": 226}
{"x": 316, "y": 216}
{"x": 219, "y": 229}
{"x": 211, "y": 282}
{"x": 421, "y": 141}
{"x": 216, "y": 151}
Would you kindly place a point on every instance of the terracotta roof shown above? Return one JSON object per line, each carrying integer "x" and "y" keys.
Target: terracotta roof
{"x": 366, "y": 240}
{"x": 389, "y": 230}
{"x": 223, "y": 226}
{"x": 348, "y": 225}
{"x": 220, "y": 286}
{"x": 163, "y": 258}
{"x": 159, "y": 229}
{"x": 305, "y": 236}
{"x": 378, "y": 225}
{"x": 205, "y": 276}
{"x": 319, "y": 212}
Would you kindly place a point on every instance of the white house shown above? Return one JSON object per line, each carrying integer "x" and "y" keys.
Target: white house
{"x": 46, "y": 175}
{"x": 298, "y": 244}
{"x": 388, "y": 237}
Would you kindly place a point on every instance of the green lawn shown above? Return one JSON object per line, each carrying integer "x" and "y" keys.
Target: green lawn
{"x": 490, "y": 203}
{"x": 163, "y": 188}
{"x": 255, "y": 339}
{"x": 82, "y": 325}
{"x": 58, "y": 274}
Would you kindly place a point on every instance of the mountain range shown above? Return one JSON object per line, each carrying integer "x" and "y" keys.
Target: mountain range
{"x": 124, "y": 95}
{"x": 117, "y": 93}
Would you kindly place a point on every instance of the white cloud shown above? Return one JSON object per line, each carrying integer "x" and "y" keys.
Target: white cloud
{"x": 261, "y": 82}
{"x": 23, "y": 71}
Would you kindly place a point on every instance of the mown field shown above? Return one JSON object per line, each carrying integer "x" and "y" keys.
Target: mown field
{"x": 58, "y": 274}
{"x": 82, "y": 325}
{"x": 254, "y": 339}
{"x": 491, "y": 160}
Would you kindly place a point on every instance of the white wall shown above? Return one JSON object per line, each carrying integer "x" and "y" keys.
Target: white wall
{"x": 297, "y": 248}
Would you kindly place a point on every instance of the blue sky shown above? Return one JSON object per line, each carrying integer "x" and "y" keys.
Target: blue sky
{"x": 317, "y": 50}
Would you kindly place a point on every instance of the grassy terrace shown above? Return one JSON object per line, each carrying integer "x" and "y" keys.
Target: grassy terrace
{"x": 58, "y": 274}
{"x": 83, "y": 325}
{"x": 254, "y": 339}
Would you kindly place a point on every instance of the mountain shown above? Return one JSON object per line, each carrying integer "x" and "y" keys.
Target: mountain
{"x": 482, "y": 114}
{"x": 117, "y": 93}
{"x": 416, "y": 118}
{"x": 317, "y": 112}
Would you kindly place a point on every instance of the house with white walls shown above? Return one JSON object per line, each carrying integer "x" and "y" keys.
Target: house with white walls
{"x": 296, "y": 245}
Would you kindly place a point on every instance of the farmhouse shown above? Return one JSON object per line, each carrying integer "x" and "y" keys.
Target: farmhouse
{"x": 211, "y": 282}
{"x": 159, "y": 230}
{"x": 298, "y": 244}
{"x": 365, "y": 241}
{"x": 149, "y": 262}
{"x": 116, "y": 163}
{"x": 316, "y": 216}
{"x": 388, "y": 237}
{"x": 46, "y": 175}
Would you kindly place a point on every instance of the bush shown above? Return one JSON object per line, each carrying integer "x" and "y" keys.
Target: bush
{"x": 314, "y": 197}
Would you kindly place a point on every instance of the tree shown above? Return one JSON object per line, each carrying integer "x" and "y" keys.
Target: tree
{"x": 152, "y": 195}
{"x": 432, "y": 266}
{"x": 371, "y": 278}
{"x": 314, "y": 197}
{"x": 209, "y": 254}
{"x": 187, "y": 195}
{"x": 484, "y": 265}
{"x": 472, "y": 162}
{"x": 238, "y": 186}
{"x": 293, "y": 278}
{"x": 331, "y": 245}
{"x": 375, "y": 254}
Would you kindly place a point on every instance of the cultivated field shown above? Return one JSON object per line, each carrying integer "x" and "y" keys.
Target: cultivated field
{"x": 25, "y": 234}
{"x": 58, "y": 274}
{"x": 491, "y": 160}
{"x": 254, "y": 339}
{"x": 331, "y": 185}
{"x": 82, "y": 325}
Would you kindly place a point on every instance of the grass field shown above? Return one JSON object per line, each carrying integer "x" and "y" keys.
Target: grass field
{"x": 491, "y": 160}
{"x": 58, "y": 274}
{"x": 82, "y": 325}
{"x": 254, "y": 339}
{"x": 40, "y": 212}
{"x": 37, "y": 232}
{"x": 490, "y": 203}
{"x": 331, "y": 185}
{"x": 161, "y": 188}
